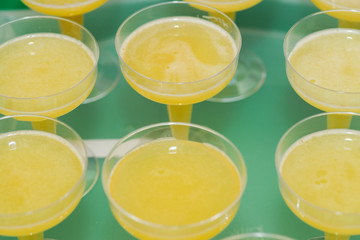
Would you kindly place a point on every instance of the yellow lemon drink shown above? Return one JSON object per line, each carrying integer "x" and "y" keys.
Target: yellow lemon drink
{"x": 175, "y": 183}
{"x": 75, "y": 10}
{"x": 45, "y": 73}
{"x": 179, "y": 51}
{"x": 230, "y": 7}
{"x": 41, "y": 181}
{"x": 346, "y": 19}
{"x": 250, "y": 74}
{"x": 179, "y": 61}
{"x": 321, "y": 171}
{"x": 337, "y": 4}
{"x": 177, "y": 55}
{"x": 64, "y": 8}
{"x": 323, "y": 69}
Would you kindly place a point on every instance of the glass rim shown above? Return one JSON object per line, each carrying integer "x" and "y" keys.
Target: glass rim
{"x": 96, "y": 53}
{"x": 257, "y": 235}
{"x": 60, "y": 6}
{"x": 242, "y": 177}
{"x": 238, "y": 48}
{"x": 80, "y": 180}
{"x": 278, "y": 162}
{"x": 287, "y": 53}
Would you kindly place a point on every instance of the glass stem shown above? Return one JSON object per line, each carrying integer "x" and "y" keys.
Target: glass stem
{"x": 180, "y": 113}
{"x": 231, "y": 15}
{"x": 37, "y": 236}
{"x": 338, "y": 121}
{"x": 45, "y": 125}
{"x": 78, "y": 19}
{"x": 71, "y": 30}
{"x": 330, "y": 236}
{"x": 348, "y": 24}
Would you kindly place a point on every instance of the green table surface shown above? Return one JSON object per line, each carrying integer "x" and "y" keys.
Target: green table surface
{"x": 254, "y": 125}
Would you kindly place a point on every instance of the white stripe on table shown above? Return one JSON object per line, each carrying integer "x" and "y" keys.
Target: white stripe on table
{"x": 100, "y": 147}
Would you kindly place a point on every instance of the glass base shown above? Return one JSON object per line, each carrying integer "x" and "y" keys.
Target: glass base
{"x": 108, "y": 75}
{"x": 249, "y": 77}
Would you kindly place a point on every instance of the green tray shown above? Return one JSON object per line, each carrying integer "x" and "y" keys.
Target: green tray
{"x": 254, "y": 125}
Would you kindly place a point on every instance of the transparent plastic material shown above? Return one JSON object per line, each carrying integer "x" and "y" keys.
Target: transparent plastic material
{"x": 69, "y": 8}
{"x": 31, "y": 225}
{"x": 344, "y": 17}
{"x": 143, "y": 229}
{"x": 185, "y": 92}
{"x": 336, "y": 224}
{"x": 251, "y": 73}
{"x": 60, "y": 103}
{"x": 320, "y": 97}
{"x": 108, "y": 70}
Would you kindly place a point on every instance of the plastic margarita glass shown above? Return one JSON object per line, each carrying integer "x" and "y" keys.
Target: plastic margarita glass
{"x": 162, "y": 187}
{"x": 178, "y": 55}
{"x": 71, "y": 9}
{"x": 346, "y": 19}
{"x": 75, "y": 10}
{"x": 317, "y": 174}
{"x": 43, "y": 176}
{"x": 250, "y": 74}
{"x": 322, "y": 63}
{"x": 45, "y": 71}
